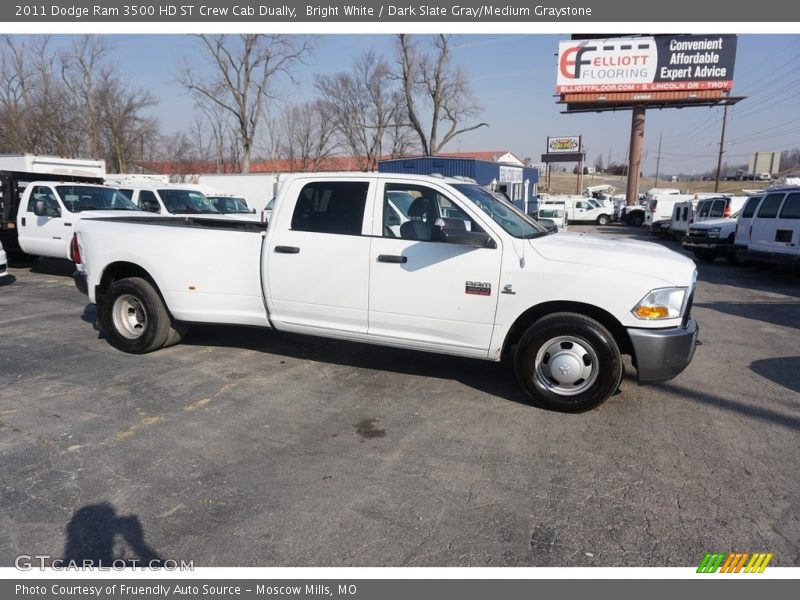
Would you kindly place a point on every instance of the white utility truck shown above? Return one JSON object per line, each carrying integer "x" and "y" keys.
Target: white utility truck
{"x": 467, "y": 274}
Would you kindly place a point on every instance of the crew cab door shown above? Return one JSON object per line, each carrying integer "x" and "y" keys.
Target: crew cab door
{"x": 317, "y": 257}
{"x": 41, "y": 225}
{"x": 427, "y": 294}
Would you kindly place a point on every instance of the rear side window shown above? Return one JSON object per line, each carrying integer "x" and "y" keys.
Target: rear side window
{"x": 769, "y": 207}
{"x": 750, "y": 207}
{"x": 331, "y": 207}
{"x": 717, "y": 208}
{"x": 791, "y": 208}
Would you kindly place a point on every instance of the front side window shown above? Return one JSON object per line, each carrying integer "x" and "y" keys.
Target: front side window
{"x": 80, "y": 198}
{"x": 43, "y": 197}
{"x": 331, "y": 207}
{"x": 705, "y": 208}
{"x": 410, "y": 212}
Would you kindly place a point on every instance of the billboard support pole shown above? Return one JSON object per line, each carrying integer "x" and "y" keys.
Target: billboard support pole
{"x": 721, "y": 147}
{"x": 635, "y": 154}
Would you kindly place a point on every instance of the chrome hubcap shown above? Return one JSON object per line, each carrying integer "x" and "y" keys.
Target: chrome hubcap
{"x": 566, "y": 365}
{"x": 130, "y": 317}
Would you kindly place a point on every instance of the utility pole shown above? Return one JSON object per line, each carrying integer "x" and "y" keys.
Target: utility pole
{"x": 658, "y": 159}
{"x": 721, "y": 147}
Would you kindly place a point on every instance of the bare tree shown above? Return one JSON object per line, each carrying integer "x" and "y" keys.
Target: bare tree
{"x": 126, "y": 127}
{"x": 246, "y": 69}
{"x": 430, "y": 81}
{"x": 363, "y": 107}
{"x": 82, "y": 69}
{"x": 308, "y": 135}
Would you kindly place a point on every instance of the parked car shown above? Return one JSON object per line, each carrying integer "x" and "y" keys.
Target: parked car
{"x": 469, "y": 275}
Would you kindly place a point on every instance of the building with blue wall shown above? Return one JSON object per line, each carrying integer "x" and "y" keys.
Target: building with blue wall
{"x": 511, "y": 177}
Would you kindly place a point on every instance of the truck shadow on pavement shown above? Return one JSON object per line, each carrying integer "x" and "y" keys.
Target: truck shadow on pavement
{"x": 784, "y": 371}
{"x": 761, "y": 413}
{"x": 493, "y": 378}
{"x": 45, "y": 266}
{"x": 94, "y": 534}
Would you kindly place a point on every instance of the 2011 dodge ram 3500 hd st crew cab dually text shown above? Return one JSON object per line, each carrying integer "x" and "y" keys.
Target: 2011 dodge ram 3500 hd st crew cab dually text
{"x": 465, "y": 274}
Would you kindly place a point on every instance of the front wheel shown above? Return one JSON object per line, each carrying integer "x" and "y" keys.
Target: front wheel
{"x": 568, "y": 362}
{"x": 135, "y": 318}
{"x": 636, "y": 220}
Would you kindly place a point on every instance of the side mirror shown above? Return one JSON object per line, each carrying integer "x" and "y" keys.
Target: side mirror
{"x": 453, "y": 231}
{"x": 41, "y": 209}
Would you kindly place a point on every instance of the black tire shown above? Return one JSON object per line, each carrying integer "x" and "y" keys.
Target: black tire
{"x": 706, "y": 256}
{"x": 733, "y": 258}
{"x": 580, "y": 342}
{"x": 135, "y": 318}
{"x": 636, "y": 220}
{"x": 602, "y": 220}
{"x": 176, "y": 332}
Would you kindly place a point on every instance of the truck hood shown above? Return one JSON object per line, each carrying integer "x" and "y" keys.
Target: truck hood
{"x": 641, "y": 258}
{"x": 713, "y": 223}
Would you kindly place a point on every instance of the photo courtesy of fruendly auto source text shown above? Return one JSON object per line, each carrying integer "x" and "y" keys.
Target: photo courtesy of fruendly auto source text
{"x": 372, "y": 300}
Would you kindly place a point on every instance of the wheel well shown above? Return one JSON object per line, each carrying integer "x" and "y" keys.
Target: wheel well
{"x": 121, "y": 270}
{"x": 533, "y": 314}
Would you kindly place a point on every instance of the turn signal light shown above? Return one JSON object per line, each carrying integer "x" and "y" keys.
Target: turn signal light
{"x": 651, "y": 312}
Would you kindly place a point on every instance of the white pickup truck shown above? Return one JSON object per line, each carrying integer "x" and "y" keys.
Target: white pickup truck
{"x": 466, "y": 274}
{"x": 49, "y": 211}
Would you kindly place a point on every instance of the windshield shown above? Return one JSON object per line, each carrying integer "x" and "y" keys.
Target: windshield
{"x": 78, "y": 198}
{"x": 182, "y": 202}
{"x": 229, "y": 204}
{"x": 509, "y": 217}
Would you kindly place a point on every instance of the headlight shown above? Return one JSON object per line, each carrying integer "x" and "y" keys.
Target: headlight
{"x": 713, "y": 232}
{"x": 661, "y": 303}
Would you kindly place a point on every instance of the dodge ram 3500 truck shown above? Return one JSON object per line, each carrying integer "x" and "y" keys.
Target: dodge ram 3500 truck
{"x": 466, "y": 274}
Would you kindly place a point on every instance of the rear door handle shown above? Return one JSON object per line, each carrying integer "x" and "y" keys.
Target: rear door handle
{"x": 23, "y": 221}
{"x": 287, "y": 249}
{"x": 392, "y": 258}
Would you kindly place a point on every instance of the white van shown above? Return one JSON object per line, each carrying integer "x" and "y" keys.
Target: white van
{"x": 775, "y": 228}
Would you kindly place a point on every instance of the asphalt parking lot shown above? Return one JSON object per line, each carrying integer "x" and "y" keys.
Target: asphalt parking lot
{"x": 242, "y": 447}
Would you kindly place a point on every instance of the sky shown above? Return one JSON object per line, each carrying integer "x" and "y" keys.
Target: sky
{"x": 513, "y": 78}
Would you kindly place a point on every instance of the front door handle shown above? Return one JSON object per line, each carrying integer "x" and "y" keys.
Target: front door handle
{"x": 287, "y": 249}
{"x": 392, "y": 258}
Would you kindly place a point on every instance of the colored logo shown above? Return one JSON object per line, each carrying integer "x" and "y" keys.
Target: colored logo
{"x": 735, "y": 562}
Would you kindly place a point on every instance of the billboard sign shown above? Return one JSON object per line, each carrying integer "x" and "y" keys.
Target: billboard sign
{"x": 645, "y": 64}
{"x": 556, "y": 145}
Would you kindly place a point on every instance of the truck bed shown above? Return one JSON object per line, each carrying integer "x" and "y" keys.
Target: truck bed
{"x": 207, "y": 269}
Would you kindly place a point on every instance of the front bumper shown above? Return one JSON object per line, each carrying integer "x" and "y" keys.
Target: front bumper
{"x": 662, "y": 354}
{"x": 79, "y": 277}
{"x": 705, "y": 243}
